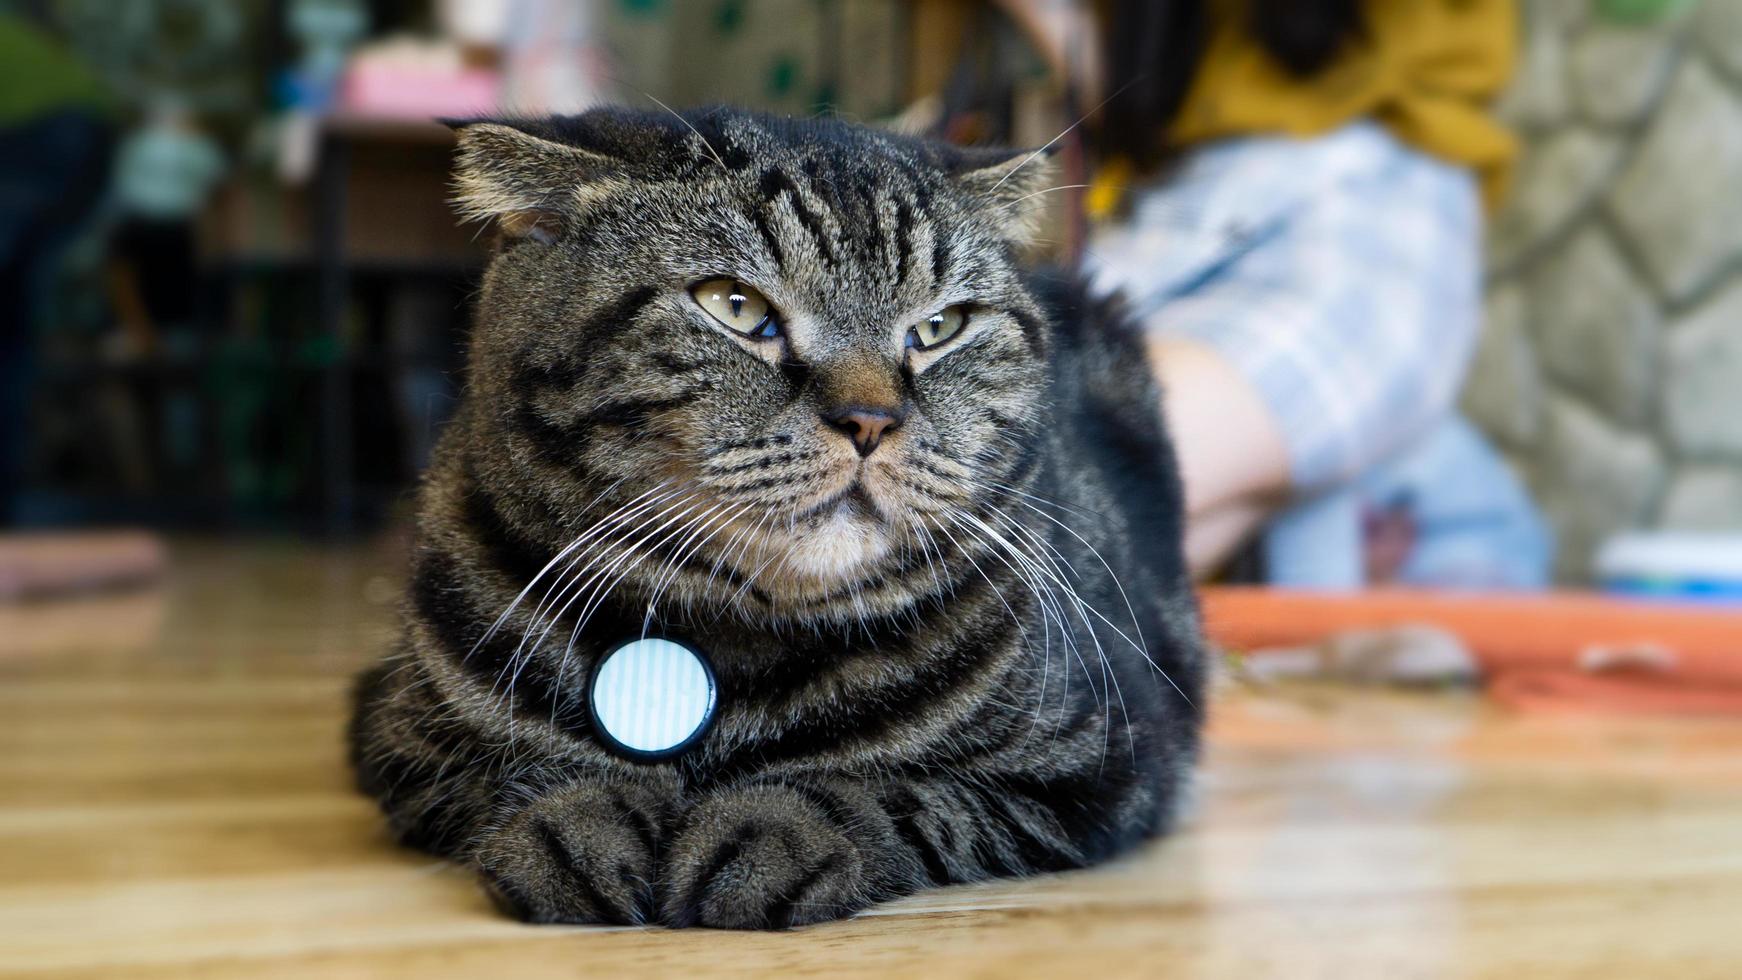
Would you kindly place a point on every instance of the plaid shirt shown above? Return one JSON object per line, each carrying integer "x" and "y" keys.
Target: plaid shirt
{"x": 1340, "y": 274}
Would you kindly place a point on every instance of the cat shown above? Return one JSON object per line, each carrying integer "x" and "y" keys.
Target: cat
{"x": 783, "y": 390}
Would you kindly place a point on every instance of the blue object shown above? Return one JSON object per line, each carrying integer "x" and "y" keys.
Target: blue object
{"x": 1673, "y": 566}
{"x": 652, "y": 698}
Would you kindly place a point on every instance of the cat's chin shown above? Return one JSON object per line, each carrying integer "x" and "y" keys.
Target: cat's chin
{"x": 837, "y": 545}
{"x": 828, "y": 548}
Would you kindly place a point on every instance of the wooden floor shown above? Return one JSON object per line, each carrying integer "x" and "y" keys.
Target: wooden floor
{"x": 174, "y": 802}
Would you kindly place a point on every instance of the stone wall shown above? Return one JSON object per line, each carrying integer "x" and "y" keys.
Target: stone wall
{"x": 1611, "y": 368}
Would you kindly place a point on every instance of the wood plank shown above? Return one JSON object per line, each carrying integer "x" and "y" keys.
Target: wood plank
{"x": 176, "y": 803}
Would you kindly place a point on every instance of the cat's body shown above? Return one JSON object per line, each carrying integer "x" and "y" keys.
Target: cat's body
{"x": 940, "y": 584}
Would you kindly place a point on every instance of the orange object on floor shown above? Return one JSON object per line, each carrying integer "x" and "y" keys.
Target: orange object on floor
{"x": 1545, "y": 651}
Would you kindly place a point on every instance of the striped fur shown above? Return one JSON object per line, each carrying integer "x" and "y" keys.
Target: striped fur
{"x": 972, "y": 653}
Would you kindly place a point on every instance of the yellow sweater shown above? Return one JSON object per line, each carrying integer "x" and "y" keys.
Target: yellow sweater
{"x": 1425, "y": 69}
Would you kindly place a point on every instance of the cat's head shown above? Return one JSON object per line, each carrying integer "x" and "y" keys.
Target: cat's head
{"x": 803, "y": 344}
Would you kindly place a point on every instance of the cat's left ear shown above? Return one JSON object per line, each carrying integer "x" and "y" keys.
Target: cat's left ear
{"x": 527, "y": 185}
{"x": 1012, "y": 184}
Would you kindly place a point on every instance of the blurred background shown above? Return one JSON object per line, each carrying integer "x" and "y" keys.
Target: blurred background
{"x": 237, "y": 299}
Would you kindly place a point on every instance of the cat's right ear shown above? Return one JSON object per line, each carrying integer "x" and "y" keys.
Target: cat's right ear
{"x": 526, "y": 185}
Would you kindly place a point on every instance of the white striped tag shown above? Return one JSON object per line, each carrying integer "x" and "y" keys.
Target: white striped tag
{"x": 652, "y": 698}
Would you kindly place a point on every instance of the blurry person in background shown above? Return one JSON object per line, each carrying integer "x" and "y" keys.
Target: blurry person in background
{"x": 57, "y": 133}
{"x": 165, "y": 169}
{"x": 1290, "y": 195}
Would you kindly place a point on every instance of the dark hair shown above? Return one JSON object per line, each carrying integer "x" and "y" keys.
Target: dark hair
{"x": 1154, "y": 47}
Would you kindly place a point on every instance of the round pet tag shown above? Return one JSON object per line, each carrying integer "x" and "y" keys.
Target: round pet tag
{"x": 652, "y": 698}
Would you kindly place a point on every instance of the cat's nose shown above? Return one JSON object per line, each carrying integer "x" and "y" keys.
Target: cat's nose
{"x": 865, "y": 425}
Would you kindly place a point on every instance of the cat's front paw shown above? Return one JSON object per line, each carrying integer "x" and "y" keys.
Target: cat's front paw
{"x": 762, "y": 857}
{"x": 582, "y": 854}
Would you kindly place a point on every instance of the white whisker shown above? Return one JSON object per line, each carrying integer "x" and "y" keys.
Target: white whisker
{"x": 711, "y": 151}
{"x": 1062, "y": 134}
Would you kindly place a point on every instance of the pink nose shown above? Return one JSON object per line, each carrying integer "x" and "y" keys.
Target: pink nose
{"x": 864, "y": 425}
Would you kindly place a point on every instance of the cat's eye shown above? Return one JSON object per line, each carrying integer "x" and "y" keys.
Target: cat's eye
{"x": 539, "y": 226}
{"x": 741, "y": 309}
{"x": 937, "y": 328}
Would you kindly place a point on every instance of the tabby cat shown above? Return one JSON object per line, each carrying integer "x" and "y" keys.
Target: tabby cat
{"x": 780, "y": 389}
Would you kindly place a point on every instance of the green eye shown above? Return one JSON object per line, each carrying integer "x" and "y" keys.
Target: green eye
{"x": 937, "y": 328}
{"x": 741, "y": 309}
